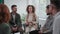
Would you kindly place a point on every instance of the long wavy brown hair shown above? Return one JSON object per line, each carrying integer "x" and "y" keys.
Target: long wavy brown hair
{"x": 4, "y": 13}
{"x": 33, "y": 8}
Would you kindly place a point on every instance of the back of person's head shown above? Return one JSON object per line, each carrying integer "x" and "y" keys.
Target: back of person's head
{"x": 56, "y": 3}
{"x": 4, "y": 13}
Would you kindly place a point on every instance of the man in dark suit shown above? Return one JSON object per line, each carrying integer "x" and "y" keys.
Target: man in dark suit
{"x": 15, "y": 21}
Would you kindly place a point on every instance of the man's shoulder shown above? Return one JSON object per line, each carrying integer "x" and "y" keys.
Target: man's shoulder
{"x": 57, "y": 18}
{"x": 5, "y": 25}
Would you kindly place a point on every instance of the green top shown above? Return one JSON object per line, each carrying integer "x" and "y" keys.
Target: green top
{"x": 4, "y": 29}
{"x": 1, "y": 1}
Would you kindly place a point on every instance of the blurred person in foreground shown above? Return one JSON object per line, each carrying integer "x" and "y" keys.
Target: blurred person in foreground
{"x": 56, "y": 23}
{"x": 4, "y": 19}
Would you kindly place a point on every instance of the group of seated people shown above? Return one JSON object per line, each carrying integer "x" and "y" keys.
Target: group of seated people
{"x": 10, "y": 23}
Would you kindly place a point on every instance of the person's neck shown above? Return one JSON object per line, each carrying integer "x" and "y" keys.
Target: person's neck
{"x": 30, "y": 13}
{"x": 54, "y": 12}
{"x": 14, "y": 12}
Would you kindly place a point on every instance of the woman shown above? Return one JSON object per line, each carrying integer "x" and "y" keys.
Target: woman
{"x": 31, "y": 23}
{"x": 4, "y": 19}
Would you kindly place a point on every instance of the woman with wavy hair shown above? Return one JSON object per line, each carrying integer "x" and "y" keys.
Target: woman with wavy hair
{"x": 31, "y": 21}
{"x": 4, "y": 19}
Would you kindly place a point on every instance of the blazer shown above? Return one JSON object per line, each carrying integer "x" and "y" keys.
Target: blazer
{"x": 17, "y": 20}
{"x": 56, "y": 24}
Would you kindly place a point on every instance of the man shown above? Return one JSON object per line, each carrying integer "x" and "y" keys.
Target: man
{"x": 15, "y": 21}
{"x": 48, "y": 27}
{"x": 56, "y": 23}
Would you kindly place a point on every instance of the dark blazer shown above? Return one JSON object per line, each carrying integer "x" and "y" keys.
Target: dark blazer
{"x": 17, "y": 21}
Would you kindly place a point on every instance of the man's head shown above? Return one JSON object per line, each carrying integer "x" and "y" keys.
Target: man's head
{"x": 48, "y": 10}
{"x": 56, "y": 3}
{"x": 14, "y": 8}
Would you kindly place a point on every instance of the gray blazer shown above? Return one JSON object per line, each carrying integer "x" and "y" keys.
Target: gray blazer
{"x": 49, "y": 24}
{"x": 56, "y": 24}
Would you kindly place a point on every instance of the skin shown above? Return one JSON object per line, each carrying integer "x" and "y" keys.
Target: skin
{"x": 30, "y": 9}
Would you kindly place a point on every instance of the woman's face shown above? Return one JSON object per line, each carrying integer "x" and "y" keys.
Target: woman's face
{"x": 30, "y": 9}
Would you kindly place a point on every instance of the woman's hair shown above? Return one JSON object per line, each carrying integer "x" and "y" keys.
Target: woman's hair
{"x": 4, "y": 13}
{"x": 33, "y": 8}
{"x": 33, "y": 11}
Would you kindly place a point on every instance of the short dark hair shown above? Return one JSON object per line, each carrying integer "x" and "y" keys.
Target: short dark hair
{"x": 56, "y": 3}
{"x": 47, "y": 6}
{"x": 13, "y": 6}
{"x": 33, "y": 8}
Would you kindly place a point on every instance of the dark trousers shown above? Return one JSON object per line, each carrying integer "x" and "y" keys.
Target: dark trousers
{"x": 34, "y": 32}
{"x": 21, "y": 32}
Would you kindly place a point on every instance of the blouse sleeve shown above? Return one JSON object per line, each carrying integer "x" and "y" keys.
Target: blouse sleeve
{"x": 7, "y": 30}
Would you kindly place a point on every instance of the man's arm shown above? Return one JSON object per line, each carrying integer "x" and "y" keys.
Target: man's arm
{"x": 19, "y": 21}
{"x": 45, "y": 27}
{"x": 56, "y": 25}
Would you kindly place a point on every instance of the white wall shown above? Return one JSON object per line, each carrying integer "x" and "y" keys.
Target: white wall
{"x": 40, "y": 6}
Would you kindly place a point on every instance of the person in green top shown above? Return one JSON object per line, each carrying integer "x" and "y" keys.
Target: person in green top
{"x": 4, "y": 19}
